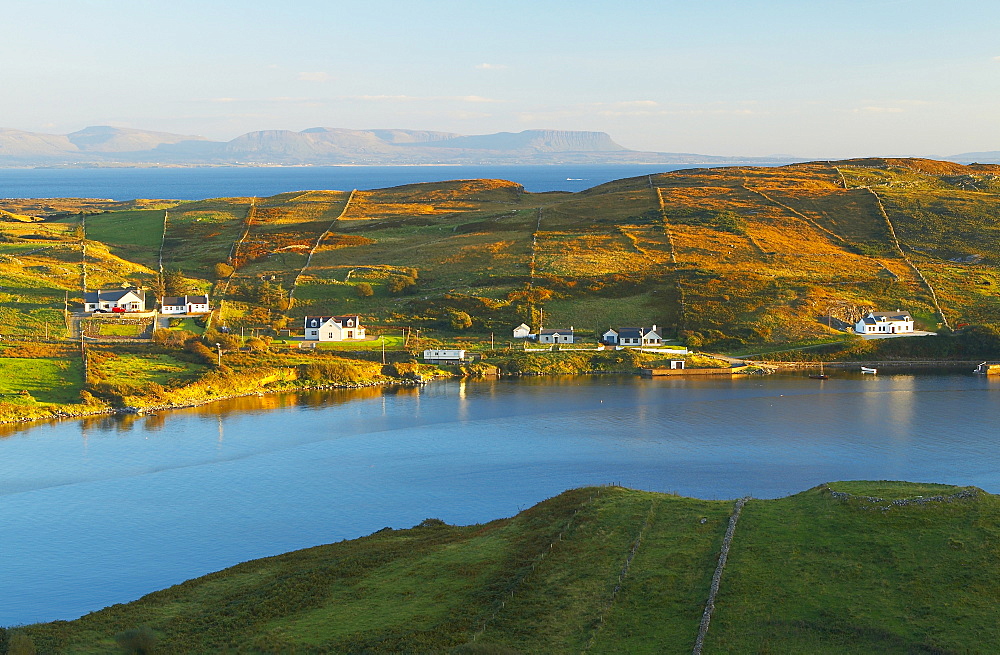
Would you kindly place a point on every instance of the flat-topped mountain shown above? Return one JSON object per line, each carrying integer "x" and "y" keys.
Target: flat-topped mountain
{"x": 104, "y": 145}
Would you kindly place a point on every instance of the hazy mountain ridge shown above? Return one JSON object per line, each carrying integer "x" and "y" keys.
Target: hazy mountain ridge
{"x": 103, "y": 145}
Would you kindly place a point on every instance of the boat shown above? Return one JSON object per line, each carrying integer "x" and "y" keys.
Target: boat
{"x": 987, "y": 369}
{"x": 821, "y": 375}
{"x": 869, "y": 369}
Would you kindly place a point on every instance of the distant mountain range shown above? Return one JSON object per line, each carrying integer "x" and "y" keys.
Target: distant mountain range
{"x": 116, "y": 146}
{"x": 109, "y": 146}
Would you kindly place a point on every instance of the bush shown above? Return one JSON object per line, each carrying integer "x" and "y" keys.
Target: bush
{"x": 20, "y": 644}
{"x": 223, "y": 270}
{"x": 458, "y": 320}
{"x": 401, "y": 284}
{"x": 364, "y": 290}
{"x": 137, "y": 640}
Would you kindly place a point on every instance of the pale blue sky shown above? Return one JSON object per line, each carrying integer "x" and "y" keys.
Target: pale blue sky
{"x": 751, "y": 77}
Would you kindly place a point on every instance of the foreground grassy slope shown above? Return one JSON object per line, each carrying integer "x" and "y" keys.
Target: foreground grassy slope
{"x": 836, "y": 569}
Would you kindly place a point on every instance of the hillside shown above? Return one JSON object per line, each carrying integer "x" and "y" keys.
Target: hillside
{"x": 729, "y": 258}
{"x": 849, "y": 567}
{"x": 762, "y": 262}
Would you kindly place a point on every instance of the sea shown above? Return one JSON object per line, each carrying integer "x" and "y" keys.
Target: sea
{"x": 104, "y": 510}
{"x": 234, "y": 181}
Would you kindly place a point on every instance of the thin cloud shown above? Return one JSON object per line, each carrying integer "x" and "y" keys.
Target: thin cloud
{"x": 637, "y": 103}
{"x": 386, "y": 98}
{"x": 405, "y": 98}
{"x": 315, "y": 76}
{"x": 490, "y": 67}
{"x": 879, "y": 110}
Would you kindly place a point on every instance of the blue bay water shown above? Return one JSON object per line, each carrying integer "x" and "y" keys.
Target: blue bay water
{"x": 228, "y": 181}
{"x": 105, "y": 510}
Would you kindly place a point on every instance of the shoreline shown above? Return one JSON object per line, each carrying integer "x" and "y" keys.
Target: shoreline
{"x": 778, "y": 366}
{"x": 148, "y": 411}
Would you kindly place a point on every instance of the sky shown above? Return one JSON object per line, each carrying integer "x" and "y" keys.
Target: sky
{"x": 721, "y": 77}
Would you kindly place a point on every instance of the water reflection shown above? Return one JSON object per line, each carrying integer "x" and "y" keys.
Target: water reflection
{"x": 104, "y": 509}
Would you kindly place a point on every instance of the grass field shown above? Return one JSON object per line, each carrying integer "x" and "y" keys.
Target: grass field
{"x": 48, "y": 380}
{"x": 139, "y": 369}
{"x": 836, "y": 569}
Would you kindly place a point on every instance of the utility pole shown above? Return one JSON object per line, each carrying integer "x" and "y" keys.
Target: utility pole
{"x": 382, "y": 339}
{"x": 219, "y": 347}
{"x": 491, "y": 341}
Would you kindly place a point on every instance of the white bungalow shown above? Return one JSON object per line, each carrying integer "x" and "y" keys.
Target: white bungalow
{"x": 184, "y": 305}
{"x": 897, "y": 322}
{"x": 334, "y": 328}
{"x": 556, "y": 335}
{"x": 114, "y": 300}
{"x": 633, "y": 336}
{"x": 522, "y": 331}
{"x": 444, "y": 356}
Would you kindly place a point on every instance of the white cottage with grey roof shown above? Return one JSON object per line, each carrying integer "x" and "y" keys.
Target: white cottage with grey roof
{"x": 897, "y": 322}
{"x": 561, "y": 335}
{"x": 633, "y": 336}
{"x": 184, "y": 305}
{"x": 334, "y": 328}
{"x": 114, "y": 300}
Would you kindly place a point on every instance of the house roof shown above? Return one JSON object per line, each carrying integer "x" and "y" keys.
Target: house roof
{"x": 636, "y": 333}
{"x": 316, "y": 321}
{"x": 343, "y": 321}
{"x": 556, "y": 331}
{"x": 112, "y": 295}
{"x": 348, "y": 321}
{"x": 890, "y": 316}
{"x": 183, "y": 300}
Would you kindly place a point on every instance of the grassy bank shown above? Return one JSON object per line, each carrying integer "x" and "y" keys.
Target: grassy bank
{"x": 851, "y": 567}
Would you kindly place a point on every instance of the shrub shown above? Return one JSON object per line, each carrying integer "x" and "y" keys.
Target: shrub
{"x": 223, "y": 270}
{"x": 140, "y": 641}
{"x": 458, "y": 320}
{"x": 364, "y": 290}
{"x": 401, "y": 284}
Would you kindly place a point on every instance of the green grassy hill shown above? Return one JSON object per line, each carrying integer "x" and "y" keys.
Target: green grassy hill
{"x": 729, "y": 257}
{"x": 850, "y": 567}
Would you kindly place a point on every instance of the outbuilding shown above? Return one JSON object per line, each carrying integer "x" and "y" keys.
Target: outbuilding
{"x": 444, "y": 356}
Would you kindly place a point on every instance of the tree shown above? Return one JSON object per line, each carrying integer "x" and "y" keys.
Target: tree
{"x": 401, "y": 284}
{"x": 459, "y": 320}
{"x": 364, "y": 290}
{"x": 174, "y": 283}
{"x": 257, "y": 345}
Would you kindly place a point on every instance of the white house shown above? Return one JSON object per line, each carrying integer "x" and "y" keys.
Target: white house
{"x": 897, "y": 322}
{"x": 444, "y": 356}
{"x": 522, "y": 331}
{"x": 184, "y": 305}
{"x": 633, "y": 336}
{"x": 334, "y": 328}
{"x": 114, "y": 300}
{"x": 556, "y": 336}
